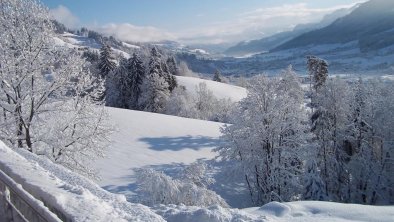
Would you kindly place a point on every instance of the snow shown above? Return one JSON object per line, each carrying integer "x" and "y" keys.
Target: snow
{"x": 200, "y": 51}
{"x": 130, "y": 45}
{"x": 220, "y": 90}
{"x": 79, "y": 42}
{"x": 161, "y": 142}
{"x": 78, "y": 198}
{"x": 152, "y": 140}
{"x": 249, "y": 55}
{"x": 122, "y": 53}
{"x": 322, "y": 211}
{"x": 174, "y": 213}
{"x": 302, "y": 211}
{"x": 59, "y": 42}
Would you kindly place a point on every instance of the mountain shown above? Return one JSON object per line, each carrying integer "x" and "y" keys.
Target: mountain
{"x": 268, "y": 43}
{"x": 371, "y": 25}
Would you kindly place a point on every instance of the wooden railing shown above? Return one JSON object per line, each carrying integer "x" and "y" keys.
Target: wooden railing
{"x": 17, "y": 205}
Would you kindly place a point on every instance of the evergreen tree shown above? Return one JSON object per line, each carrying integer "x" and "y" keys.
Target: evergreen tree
{"x": 313, "y": 184}
{"x": 155, "y": 65}
{"x": 137, "y": 72}
{"x": 154, "y": 93}
{"x": 318, "y": 71}
{"x": 217, "y": 76}
{"x": 170, "y": 79}
{"x": 172, "y": 66}
{"x": 106, "y": 62}
{"x": 117, "y": 85}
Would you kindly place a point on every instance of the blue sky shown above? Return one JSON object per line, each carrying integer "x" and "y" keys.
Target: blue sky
{"x": 210, "y": 21}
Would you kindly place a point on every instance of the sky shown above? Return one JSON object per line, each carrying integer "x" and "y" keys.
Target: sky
{"x": 191, "y": 21}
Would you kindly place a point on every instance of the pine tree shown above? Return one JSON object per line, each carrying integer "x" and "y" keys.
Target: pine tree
{"x": 106, "y": 62}
{"x": 155, "y": 64}
{"x": 313, "y": 184}
{"x": 118, "y": 86}
{"x": 154, "y": 93}
{"x": 217, "y": 76}
{"x": 172, "y": 66}
{"x": 137, "y": 72}
{"x": 170, "y": 78}
{"x": 155, "y": 89}
{"x": 318, "y": 71}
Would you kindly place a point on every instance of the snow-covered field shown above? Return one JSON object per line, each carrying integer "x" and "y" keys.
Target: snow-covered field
{"x": 79, "y": 42}
{"x": 220, "y": 90}
{"x": 153, "y": 140}
{"x": 82, "y": 200}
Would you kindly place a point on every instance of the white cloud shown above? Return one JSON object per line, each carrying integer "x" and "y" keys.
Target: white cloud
{"x": 245, "y": 26}
{"x": 251, "y": 25}
{"x": 65, "y": 16}
{"x": 129, "y": 32}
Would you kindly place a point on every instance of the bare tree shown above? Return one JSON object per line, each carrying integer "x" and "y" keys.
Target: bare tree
{"x": 46, "y": 92}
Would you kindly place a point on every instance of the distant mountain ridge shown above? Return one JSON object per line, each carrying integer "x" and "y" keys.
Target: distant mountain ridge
{"x": 271, "y": 42}
{"x": 371, "y": 24}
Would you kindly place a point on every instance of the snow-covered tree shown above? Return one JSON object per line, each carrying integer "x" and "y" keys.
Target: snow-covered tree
{"x": 268, "y": 138}
{"x": 154, "y": 94}
{"x": 367, "y": 132}
{"x": 318, "y": 71}
{"x": 169, "y": 77}
{"x": 137, "y": 72}
{"x": 205, "y": 101}
{"x": 314, "y": 188}
{"x": 107, "y": 61}
{"x": 125, "y": 82}
{"x": 329, "y": 123}
{"x": 46, "y": 92}
{"x": 197, "y": 173}
{"x": 117, "y": 86}
{"x": 185, "y": 71}
{"x": 217, "y": 76}
{"x": 172, "y": 66}
{"x": 201, "y": 105}
{"x": 181, "y": 103}
{"x": 158, "y": 188}
{"x": 289, "y": 83}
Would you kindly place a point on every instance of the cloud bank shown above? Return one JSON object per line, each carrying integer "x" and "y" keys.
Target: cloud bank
{"x": 249, "y": 25}
{"x": 129, "y": 32}
{"x": 63, "y": 15}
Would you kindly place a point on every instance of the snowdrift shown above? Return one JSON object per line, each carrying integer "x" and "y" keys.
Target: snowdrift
{"x": 305, "y": 211}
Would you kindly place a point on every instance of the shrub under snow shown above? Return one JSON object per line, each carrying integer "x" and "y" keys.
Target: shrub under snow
{"x": 158, "y": 188}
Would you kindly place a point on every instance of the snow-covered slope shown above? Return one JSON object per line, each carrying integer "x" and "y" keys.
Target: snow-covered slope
{"x": 220, "y": 90}
{"x": 161, "y": 142}
{"x": 304, "y": 211}
{"x": 81, "y": 200}
{"x": 152, "y": 140}
{"x": 76, "y": 197}
{"x": 80, "y": 42}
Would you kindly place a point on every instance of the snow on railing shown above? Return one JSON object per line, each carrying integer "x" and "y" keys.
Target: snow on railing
{"x": 16, "y": 204}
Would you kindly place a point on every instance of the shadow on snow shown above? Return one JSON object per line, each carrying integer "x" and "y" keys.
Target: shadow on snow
{"x": 180, "y": 143}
